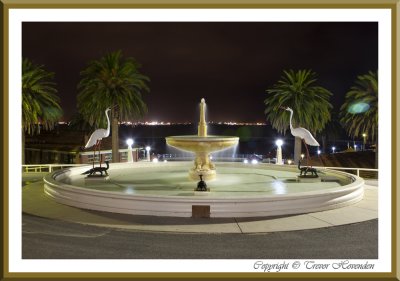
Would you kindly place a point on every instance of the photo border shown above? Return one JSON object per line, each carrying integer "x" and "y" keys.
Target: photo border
{"x": 393, "y": 5}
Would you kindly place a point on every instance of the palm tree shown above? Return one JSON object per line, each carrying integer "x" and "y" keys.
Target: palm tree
{"x": 40, "y": 103}
{"x": 310, "y": 103}
{"x": 112, "y": 81}
{"x": 332, "y": 130}
{"x": 359, "y": 113}
{"x": 79, "y": 123}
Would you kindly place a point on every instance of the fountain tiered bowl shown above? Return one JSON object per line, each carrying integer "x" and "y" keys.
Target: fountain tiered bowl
{"x": 202, "y": 145}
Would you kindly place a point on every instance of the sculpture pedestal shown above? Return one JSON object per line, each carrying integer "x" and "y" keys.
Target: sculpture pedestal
{"x": 208, "y": 175}
{"x": 97, "y": 178}
{"x": 308, "y": 179}
{"x": 201, "y": 193}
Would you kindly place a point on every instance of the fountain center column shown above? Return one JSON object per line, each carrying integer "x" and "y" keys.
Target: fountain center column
{"x": 202, "y": 128}
{"x": 202, "y": 163}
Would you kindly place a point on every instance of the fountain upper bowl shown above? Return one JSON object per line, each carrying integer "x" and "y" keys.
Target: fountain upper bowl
{"x": 194, "y": 143}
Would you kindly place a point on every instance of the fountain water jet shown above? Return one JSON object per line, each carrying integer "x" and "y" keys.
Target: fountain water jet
{"x": 202, "y": 145}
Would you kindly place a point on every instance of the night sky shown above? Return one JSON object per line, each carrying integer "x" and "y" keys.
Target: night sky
{"x": 229, "y": 64}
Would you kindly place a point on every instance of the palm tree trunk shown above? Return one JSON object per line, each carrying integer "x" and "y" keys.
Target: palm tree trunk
{"x": 297, "y": 149}
{"x": 376, "y": 153}
{"x": 23, "y": 146}
{"x": 323, "y": 143}
{"x": 115, "y": 140}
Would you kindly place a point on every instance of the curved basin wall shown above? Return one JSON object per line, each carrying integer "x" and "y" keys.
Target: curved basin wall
{"x": 181, "y": 206}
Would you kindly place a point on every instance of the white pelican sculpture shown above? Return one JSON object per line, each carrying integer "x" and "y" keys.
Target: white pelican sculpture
{"x": 302, "y": 133}
{"x": 97, "y": 136}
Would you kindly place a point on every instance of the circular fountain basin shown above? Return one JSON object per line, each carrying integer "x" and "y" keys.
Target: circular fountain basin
{"x": 202, "y": 144}
{"x": 240, "y": 190}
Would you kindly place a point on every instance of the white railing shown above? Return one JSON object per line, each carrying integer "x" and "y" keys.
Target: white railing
{"x": 44, "y": 168}
{"x": 353, "y": 169}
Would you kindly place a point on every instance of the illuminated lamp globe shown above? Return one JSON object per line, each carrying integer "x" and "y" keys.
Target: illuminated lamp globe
{"x": 129, "y": 142}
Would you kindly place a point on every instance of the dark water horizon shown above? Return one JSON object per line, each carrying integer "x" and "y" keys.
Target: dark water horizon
{"x": 253, "y": 139}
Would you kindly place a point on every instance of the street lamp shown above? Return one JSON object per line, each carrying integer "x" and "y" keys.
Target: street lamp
{"x": 319, "y": 152}
{"x": 355, "y": 147}
{"x": 279, "y": 143}
{"x": 333, "y": 149}
{"x": 148, "y": 152}
{"x": 302, "y": 156}
{"x": 129, "y": 142}
{"x": 289, "y": 162}
{"x": 364, "y": 137}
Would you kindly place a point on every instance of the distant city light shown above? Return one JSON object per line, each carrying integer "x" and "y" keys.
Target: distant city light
{"x": 168, "y": 123}
{"x": 254, "y": 161}
{"x": 155, "y": 160}
{"x": 333, "y": 149}
{"x": 355, "y": 147}
{"x": 289, "y": 161}
{"x": 245, "y": 161}
{"x": 279, "y": 142}
{"x": 319, "y": 152}
{"x": 148, "y": 148}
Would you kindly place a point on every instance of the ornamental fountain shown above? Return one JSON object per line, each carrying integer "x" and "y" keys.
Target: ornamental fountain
{"x": 239, "y": 190}
{"x": 202, "y": 145}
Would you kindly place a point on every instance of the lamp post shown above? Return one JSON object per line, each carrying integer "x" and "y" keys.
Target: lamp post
{"x": 148, "y": 153}
{"x": 355, "y": 147}
{"x": 129, "y": 142}
{"x": 302, "y": 156}
{"x": 319, "y": 152}
{"x": 279, "y": 152}
{"x": 364, "y": 137}
{"x": 333, "y": 149}
{"x": 289, "y": 162}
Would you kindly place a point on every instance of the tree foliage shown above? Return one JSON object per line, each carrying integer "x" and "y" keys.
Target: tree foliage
{"x": 299, "y": 91}
{"x": 359, "y": 113}
{"x": 112, "y": 81}
{"x": 40, "y": 103}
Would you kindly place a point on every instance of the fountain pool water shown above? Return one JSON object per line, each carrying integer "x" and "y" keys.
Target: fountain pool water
{"x": 240, "y": 190}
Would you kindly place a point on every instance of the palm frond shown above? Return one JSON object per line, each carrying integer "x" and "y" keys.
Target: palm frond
{"x": 363, "y": 92}
{"x": 112, "y": 80}
{"x": 40, "y": 103}
{"x": 298, "y": 90}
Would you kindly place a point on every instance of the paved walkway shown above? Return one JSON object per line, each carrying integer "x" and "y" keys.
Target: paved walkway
{"x": 36, "y": 203}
